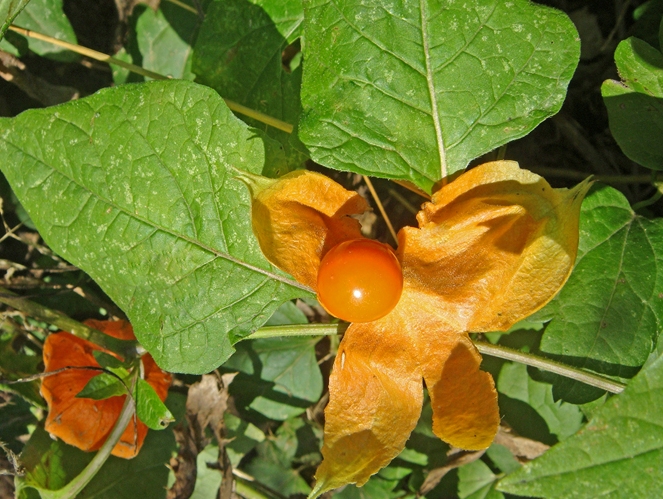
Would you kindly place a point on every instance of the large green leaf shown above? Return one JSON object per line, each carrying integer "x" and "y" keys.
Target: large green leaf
{"x": 415, "y": 90}
{"x": 239, "y": 53}
{"x": 136, "y": 186}
{"x": 563, "y": 419}
{"x": 278, "y": 377}
{"x": 618, "y": 454}
{"x": 635, "y": 105}
{"x": 47, "y": 17}
{"x": 607, "y": 316}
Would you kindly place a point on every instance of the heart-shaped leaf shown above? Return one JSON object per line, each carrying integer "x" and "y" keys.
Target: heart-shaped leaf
{"x": 136, "y": 186}
{"x": 608, "y": 314}
{"x": 415, "y": 90}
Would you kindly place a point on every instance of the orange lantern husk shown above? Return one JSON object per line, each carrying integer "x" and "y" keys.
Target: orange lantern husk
{"x": 492, "y": 247}
{"x": 82, "y": 422}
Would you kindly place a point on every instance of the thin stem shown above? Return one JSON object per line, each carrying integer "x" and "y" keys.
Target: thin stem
{"x": 369, "y": 184}
{"x": 648, "y": 202}
{"x": 72, "y": 489}
{"x": 550, "y": 365}
{"x": 184, "y": 6}
{"x": 401, "y": 199}
{"x": 58, "y": 319}
{"x": 485, "y": 348}
{"x": 100, "y": 56}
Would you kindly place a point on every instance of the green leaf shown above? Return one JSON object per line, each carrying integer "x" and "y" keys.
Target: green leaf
{"x": 502, "y": 458}
{"x": 9, "y": 9}
{"x": 16, "y": 364}
{"x": 149, "y": 408}
{"x": 279, "y": 377}
{"x": 242, "y": 438}
{"x": 562, "y": 419}
{"x": 165, "y": 39}
{"x": 106, "y": 360}
{"x": 103, "y": 386}
{"x": 415, "y": 90}
{"x": 52, "y": 464}
{"x": 288, "y": 313}
{"x": 607, "y": 316}
{"x": 208, "y": 480}
{"x": 47, "y": 17}
{"x": 15, "y": 416}
{"x": 476, "y": 481}
{"x": 239, "y": 53}
{"x": 635, "y": 105}
{"x": 376, "y": 488}
{"x": 618, "y": 454}
{"x": 294, "y": 439}
{"x": 135, "y": 185}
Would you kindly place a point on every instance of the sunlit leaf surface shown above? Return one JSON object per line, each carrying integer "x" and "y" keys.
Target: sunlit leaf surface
{"x": 136, "y": 185}
{"x": 415, "y": 90}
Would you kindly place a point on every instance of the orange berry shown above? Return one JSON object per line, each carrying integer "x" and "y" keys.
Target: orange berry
{"x": 359, "y": 280}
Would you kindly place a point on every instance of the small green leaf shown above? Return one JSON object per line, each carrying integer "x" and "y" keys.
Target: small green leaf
{"x": 239, "y": 53}
{"x": 47, "y": 17}
{"x": 607, "y": 316}
{"x": 292, "y": 442}
{"x": 149, "y": 408}
{"x": 242, "y": 438}
{"x": 106, "y": 360}
{"x": 208, "y": 480}
{"x": 15, "y": 417}
{"x": 279, "y": 377}
{"x": 635, "y": 105}
{"x": 618, "y": 454}
{"x": 503, "y": 458}
{"x": 16, "y": 364}
{"x": 165, "y": 39}
{"x": 562, "y": 419}
{"x": 376, "y": 488}
{"x": 415, "y": 90}
{"x": 477, "y": 481}
{"x": 103, "y": 386}
{"x": 136, "y": 185}
{"x": 288, "y": 313}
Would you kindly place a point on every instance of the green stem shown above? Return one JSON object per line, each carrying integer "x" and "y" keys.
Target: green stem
{"x": 648, "y": 202}
{"x": 101, "y": 57}
{"x": 124, "y": 348}
{"x": 298, "y": 330}
{"x": 485, "y": 348}
{"x": 73, "y": 488}
{"x": 550, "y": 365}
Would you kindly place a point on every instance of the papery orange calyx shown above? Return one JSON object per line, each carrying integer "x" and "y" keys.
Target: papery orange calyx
{"x": 492, "y": 247}
{"x": 303, "y": 210}
{"x": 82, "y": 422}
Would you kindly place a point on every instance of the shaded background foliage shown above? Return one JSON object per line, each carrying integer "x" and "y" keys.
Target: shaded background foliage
{"x": 274, "y": 417}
